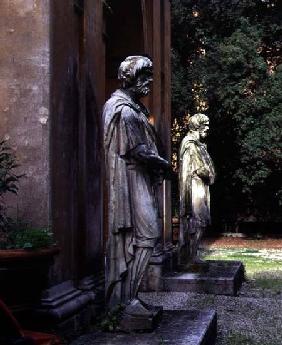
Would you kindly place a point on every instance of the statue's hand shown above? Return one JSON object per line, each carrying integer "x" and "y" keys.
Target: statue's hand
{"x": 148, "y": 157}
{"x": 203, "y": 173}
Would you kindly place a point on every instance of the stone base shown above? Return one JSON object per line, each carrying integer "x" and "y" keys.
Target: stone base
{"x": 161, "y": 262}
{"x": 190, "y": 327}
{"x": 67, "y": 309}
{"x": 130, "y": 323}
{"x": 211, "y": 277}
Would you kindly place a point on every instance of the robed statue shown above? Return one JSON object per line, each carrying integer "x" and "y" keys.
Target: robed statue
{"x": 196, "y": 174}
{"x": 134, "y": 169}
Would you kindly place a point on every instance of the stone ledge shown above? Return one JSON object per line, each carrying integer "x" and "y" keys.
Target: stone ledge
{"x": 178, "y": 327}
{"x": 70, "y": 309}
{"x": 214, "y": 277}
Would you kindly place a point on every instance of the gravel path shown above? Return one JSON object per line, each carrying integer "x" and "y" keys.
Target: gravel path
{"x": 255, "y": 316}
{"x": 252, "y": 318}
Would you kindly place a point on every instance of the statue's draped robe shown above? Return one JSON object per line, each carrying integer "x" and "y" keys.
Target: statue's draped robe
{"x": 194, "y": 191}
{"x": 133, "y": 225}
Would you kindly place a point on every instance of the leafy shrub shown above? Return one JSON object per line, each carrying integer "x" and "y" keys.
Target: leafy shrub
{"x": 16, "y": 234}
{"x": 227, "y": 62}
{"x": 25, "y": 237}
{"x": 8, "y": 179}
{"x": 110, "y": 321}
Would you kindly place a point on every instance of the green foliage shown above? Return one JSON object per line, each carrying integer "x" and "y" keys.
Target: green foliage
{"x": 263, "y": 268}
{"x": 111, "y": 319}
{"x": 265, "y": 282}
{"x": 15, "y": 235}
{"x": 22, "y": 236}
{"x": 255, "y": 261}
{"x": 228, "y": 53}
{"x": 8, "y": 178}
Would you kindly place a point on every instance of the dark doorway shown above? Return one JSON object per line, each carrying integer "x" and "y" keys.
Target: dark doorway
{"x": 123, "y": 36}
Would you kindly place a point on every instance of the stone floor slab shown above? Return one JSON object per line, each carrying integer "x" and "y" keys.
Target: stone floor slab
{"x": 215, "y": 277}
{"x": 178, "y": 327}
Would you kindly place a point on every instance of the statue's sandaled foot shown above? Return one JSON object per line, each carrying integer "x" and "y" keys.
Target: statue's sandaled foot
{"x": 139, "y": 316}
{"x": 138, "y": 308}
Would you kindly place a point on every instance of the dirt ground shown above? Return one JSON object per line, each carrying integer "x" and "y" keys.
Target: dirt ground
{"x": 231, "y": 242}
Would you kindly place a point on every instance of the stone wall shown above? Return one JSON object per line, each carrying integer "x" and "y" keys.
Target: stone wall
{"x": 52, "y": 88}
{"x": 24, "y": 102}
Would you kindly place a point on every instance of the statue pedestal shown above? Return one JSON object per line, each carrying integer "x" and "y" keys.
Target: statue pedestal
{"x": 161, "y": 262}
{"x": 132, "y": 323}
{"x": 211, "y": 277}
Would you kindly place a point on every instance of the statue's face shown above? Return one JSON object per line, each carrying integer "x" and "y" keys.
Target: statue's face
{"x": 204, "y": 130}
{"x": 142, "y": 84}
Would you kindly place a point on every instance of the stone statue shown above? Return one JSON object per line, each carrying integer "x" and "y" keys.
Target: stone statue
{"x": 134, "y": 169}
{"x": 196, "y": 174}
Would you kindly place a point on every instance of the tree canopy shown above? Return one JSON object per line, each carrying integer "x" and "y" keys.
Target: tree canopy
{"x": 227, "y": 62}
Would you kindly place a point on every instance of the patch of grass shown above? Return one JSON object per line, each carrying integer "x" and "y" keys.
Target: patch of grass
{"x": 264, "y": 281}
{"x": 242, "y": 339}
{"x": 263, "y": 267}
{"x": 239, "y": 339}
{"x": 250, "y": 250}
{"x": 254, "y": 261}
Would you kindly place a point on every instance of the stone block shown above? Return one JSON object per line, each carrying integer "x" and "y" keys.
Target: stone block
{"x": 178, "y": 327}
{"x": 212, "y": 277}
{"x": 130, "y": 323}
{"x": 160, "y": 263}
{"x": 66, "y": 308}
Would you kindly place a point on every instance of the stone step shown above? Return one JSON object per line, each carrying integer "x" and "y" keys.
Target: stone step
{"x": 214, "y": 277}
{"x": 178, "y": 327}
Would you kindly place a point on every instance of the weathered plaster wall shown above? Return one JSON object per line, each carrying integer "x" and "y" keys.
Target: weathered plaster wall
{"x": 24, "y": 101}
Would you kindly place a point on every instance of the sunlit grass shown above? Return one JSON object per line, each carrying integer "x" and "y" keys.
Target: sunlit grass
{"x": 263, "y": 267}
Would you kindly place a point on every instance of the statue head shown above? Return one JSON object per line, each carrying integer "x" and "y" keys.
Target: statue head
{"x": 136, "y": 74}
{"x": 199, "y": 123}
